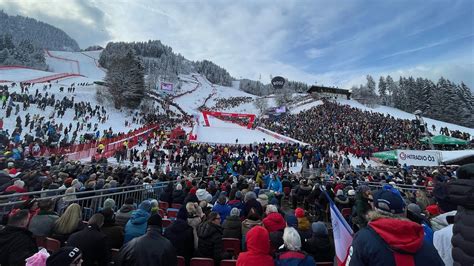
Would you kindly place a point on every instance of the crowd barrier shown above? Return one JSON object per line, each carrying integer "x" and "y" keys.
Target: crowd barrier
{"x": 64, "y": 59}
{"x": 90, "y": 201}
{"x": 52, "y": 77}
{"x": 85, "y": 150}
{"x": 279, "y": 136}
{"x": 110, "y": 145}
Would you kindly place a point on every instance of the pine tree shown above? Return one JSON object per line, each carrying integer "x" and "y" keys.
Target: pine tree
{"x": 125, "y": 80}
{"x": 383, "y": 90}
{"x": 371, "y": 84}
{"x": 391, "y": 87}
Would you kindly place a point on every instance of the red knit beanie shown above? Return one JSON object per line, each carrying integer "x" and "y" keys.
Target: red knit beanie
{"x": 299, "y": 213}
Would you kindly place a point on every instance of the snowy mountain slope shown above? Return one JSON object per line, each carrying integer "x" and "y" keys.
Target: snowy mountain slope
{"x": 82, "y": 93}
{"x": 22, "y": 74}
{"x": 84, "y": 63}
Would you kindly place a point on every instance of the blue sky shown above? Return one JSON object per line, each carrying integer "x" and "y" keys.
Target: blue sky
{"x": 335, "y": 43}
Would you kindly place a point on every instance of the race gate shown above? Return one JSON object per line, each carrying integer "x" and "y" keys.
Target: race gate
{"x": 230, "y": 116}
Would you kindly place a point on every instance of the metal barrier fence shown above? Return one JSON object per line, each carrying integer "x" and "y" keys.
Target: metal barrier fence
{"x": 90, "y": 201}
{"x": 318, "y": 171}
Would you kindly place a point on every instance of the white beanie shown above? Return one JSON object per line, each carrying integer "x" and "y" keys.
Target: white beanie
{"x": 19, "y": 183}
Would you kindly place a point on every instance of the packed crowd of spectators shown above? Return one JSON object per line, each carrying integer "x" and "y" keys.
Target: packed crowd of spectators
{"x": 343, "y": 128}
{"x": 230, "y": 102}
{"x": 231, "y": 201}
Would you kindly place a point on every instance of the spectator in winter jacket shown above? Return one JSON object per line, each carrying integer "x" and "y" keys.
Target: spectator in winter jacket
{"x": 291, "y": 254}
{"x": 69, "y": 222}
{"x": 210, "y": 239}
{"x": 319, "y": 246}
{"x": 461, "y": 193}
{"x": 304, "y": 227}
{"x": 136, "y": 226}
{"x": 65, "y": 256}
{"x": 42, "y": 224}
{"x": 18, "y": 187}
{"x": 151, "y": 249}
{"x": 16, "y": 242}
{"x": 123, "y": 215}
{"x": 92, "y": 242}
{"x": 275, "y": 184}
{"x": 113, "y": 231}
{"x": 236, "y": 202}
{"x": 442, "y": 243}
{"x": 222, "y": 208}
{"x": 274, "y": 220}
{"x": 167, "y": 194}
{"x": 178, "y": 194}
{"x": 253, "y": 219}
{"x": 389, "y": 238}
{"x": 362, "y": 205}
{"x": 232, "y": 225}
{"x": 414, "y": 215}
{"x": 263, "y": 200}
{"x": 258, "y": 248}
{"x": 181, "y": 236}
{"x": 250, "y": 201}
{"x": 341, "y": 200}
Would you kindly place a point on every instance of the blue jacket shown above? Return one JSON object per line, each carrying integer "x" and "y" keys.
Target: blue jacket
{"x": 275, "y": 185}
{"x": 137, "y": 225}
{"x": 223, "y": 210}
{"x": 294, "y": 258}
{"x": 266, "y": 180}
{"x": 428, "y": 233}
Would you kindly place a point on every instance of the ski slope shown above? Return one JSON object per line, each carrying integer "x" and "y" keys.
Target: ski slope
{"x": 83, "y": 63}
{"x": 223, "y": 132}
{"x": 22, "y": 74}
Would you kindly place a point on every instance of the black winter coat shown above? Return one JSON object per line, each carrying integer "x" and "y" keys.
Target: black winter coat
{"x": 181, "y": 236}
{"x": 178, "y": 196}
{"x": 115, "y": 235}
{"x": 210, "y": 241}
{"x": 93, "y": 245}
{"x": 461, "y": 193}
{"x": 16, "y": 244}
{"x": 320, "y": 247}
{"x": 232, "y": 227}
{"x": 253, "y": 203}
{"x": 151, "y": 249}
{"x": 166, "y": 195}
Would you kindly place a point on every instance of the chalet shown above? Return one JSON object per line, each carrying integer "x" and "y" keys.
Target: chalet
{"x": 321, "y": 92}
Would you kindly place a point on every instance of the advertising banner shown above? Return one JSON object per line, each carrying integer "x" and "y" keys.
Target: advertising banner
{"x": 418, "y": 158}
{"x": 166, "y": 86}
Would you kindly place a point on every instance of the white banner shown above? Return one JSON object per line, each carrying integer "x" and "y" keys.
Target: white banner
{"x": 418, "y": 158}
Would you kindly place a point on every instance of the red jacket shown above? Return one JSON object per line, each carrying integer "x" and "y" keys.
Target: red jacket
{"x": 258, "y": 249}
{"x": 274, "y": 222}
{"x": 17, "y": 190}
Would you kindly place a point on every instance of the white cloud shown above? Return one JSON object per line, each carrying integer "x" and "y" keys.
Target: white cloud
{"x": 251, "y": 38}
{"x": 314, "y": 53}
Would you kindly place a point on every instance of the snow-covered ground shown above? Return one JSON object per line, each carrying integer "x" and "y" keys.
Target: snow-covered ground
{"x": 83, "y": 63}
{"x": 305, "y": 107}
{"x": 82, "y": 93}
{"x": 225, "y": 132}
{"x": 22, "y": 74}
